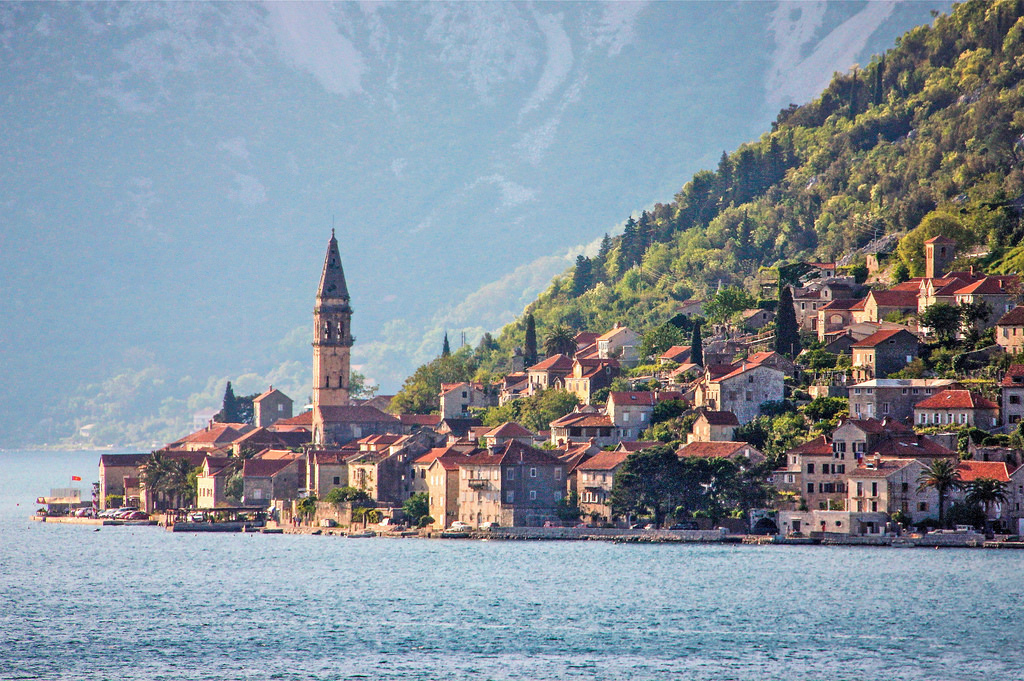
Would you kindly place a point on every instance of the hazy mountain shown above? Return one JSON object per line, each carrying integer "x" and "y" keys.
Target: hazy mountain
{"x": 170, "y": 174}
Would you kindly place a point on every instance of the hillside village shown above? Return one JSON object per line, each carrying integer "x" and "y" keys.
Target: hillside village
{"x": 849, "y": 435}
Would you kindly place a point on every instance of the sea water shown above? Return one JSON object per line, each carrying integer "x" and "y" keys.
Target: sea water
{"x": 143, "y": 603}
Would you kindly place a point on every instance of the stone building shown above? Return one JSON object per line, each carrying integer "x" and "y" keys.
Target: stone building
{"x": 264, "y": 480}
{"x": 270, "y": 407}
{"x": 1010, "y": 331}
{"x": 742, "y": 391}
{"x": 714, "y": 426}
{"x": 458, "y": 398}
{"x": 893, "y": 397}
{"x": 1012, "y": 395}
{"x": 516, "y": 485}
{"x": 594, "y": 478}
{"x": 883, "y": 353}
{"x": 957, "y": 407}
{"x": 114, "y": 468}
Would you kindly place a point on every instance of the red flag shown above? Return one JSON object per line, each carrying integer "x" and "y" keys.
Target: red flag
{"x": 76, "y": 477}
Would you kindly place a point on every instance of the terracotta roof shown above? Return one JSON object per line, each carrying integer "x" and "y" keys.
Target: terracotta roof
{"x": 986, "y": 286}
{"x": 972, "y": 470}
{"x": 940, "y": 239}
{"x": 842, "y": 304}
{"x": 877, "y": 427}
{"x": 879, "y": 337}
{"x": 910, "y": 447}
{"x": 720, "y": 418}
{"x": 553, "y": 363}
{"x": 744, "y": 368}
{"x": 819, "y": 446}
{"x": 1016, "y": 371}
{"x": 612, "y": 332}
{"x": 583, "y": 419}
{"x": 893, "y": 298}
{"x": 585, "y": 338}
{"x": 304, "y": 419}
{"x": 509, "y": 429}
{"x": 429, "y": 420}
{"x": 123, "y": 460}
{"x": 1014, "y": 317}
{"x": 762, "y": 357}
{"x": 642, "y": 398}
{"x": 355, "y": 414}
{"x": 909, "y": 285}
{"x": 572, "y": 454}
{"x": 956, "y": 399}
{"x": 264, "y": 468}
{"x": 675, "y": 352}
{"x": 513, "y": 452}
{"x": 267, "y": 393}
{"x": 216, "y": 434}
{"x": 859, "y": 305}
{"x": 709, "y": 450}
{"x": 332, "y": 457}
{"x": 881, "y": 469}
{"x": 278, "y": 454}
{"x": 603, "y": 461}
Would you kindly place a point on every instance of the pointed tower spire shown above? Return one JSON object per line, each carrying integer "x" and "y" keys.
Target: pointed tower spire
{"x": 332, "y": 281}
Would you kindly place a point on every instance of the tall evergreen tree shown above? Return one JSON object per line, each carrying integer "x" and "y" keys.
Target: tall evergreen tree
{"x": 530, "y": 343}
{"x": 697, "y": 346}
{"x": 787, "y": 334}
{"x": 581, "y": 276}
{"x": 629, "y": 246}
{"x": 446, "y": 349}
{"x": 229, "y": 406}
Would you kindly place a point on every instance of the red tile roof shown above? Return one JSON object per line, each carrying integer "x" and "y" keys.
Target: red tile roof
{"x": 940, "y": 239}
{"x": 910, "y": 447}
{"x": 881, "y": 469}
{"x": 303, "y": 419}
{"x": 893, "y": 298}
{"x": 744, "y": 368}
{"x": 642, "y": 398}
{"x": 956, "y": 399}
{"x": 267, "y": 393}
{"x": 216, "y": 434}
{"x": 819, "y": 446}
{"x": 676, "y": 353}
{"x": 429, "y": 420}
{"x": 879, "y": 337}
{"x": 553, "y": 363}
{"x": 972, "y": 470}
{"x": 264, "y": 468}
{"x": 1016, "y": 371}
{"x": 512, "y": 453}
{"x": 719, "y": 418}
{"x": 355, "y": 414}
{"x": 509, "y": 429}
{"x": 123, "y": 460}
{"x": 636, "y": 445}
{"x": 988, "y": 286}
{"x": 603, "y": 461}
{"x": 876, "y": 427}
{"x": 709, "y": 450}
{"x": 1014, "y": 317}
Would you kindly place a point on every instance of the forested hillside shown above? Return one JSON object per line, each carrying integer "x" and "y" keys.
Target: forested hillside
{"x": 933, "y": 126}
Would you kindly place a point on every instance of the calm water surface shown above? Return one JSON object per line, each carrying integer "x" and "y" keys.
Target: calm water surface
{"x": 142, "y": 603}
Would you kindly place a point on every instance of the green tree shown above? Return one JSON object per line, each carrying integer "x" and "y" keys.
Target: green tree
{"x": 911, "y": 246}
{"x": 416, "y": 506}
{"x": 359, "y": 388}
{"x": 985, "y": 492}
{"x": 568, "y": 508}
{"x": 229, "y": 407}
{"x": 727, "y": 302}
{"x": 944, "y": 320}
{"x": 787, "y": 332}
{"x": 582, "y": 276}
{"x": 420, "y": 394}
{"x": 530, "y": 341}
{"x": 900, "y": 272}
{"x": 306, "y": 507}
{"x": 649, "y": 483}
{"x": 667, "y": 409}
{"x": 974, "y": 314}
{"x": 943, "y": 476}
{"x": 560, "y": 341}
{"x": 826, "y": 408}
{"x": 446, "y": 349}
{"x": 349, "y": 494}
{"x": 659, "y": 339}
{"x": 697, "y": 346}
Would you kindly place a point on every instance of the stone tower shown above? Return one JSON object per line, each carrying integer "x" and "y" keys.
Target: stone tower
{"x": 939, "y": 253}
{"x": 332, "y": 333}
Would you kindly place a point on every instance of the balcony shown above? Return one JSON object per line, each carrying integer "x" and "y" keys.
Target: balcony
{"x": 477, "y": 483}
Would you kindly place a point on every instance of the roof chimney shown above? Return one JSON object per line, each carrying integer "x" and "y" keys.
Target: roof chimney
{"x": 878, "y": 461}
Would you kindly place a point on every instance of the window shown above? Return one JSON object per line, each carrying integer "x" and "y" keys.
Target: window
{"x": 750, "y": 396}
{"x": 423, "y": 473}
{"x": 874, "y": 489}
{"x": 922, "y": 506}
{"x": 257, "y": 493}
{"x": 810, "y": 488}
{"x": 510, "y": 473}
{"x": 885, "y": 408}
{"x": 558, "y": 473}
{"x": 533, "y": 495}
{"x": 1014, "y": 399}
{"x": 860, "y": 489}
{"x": 337, "y": 479}
{"x": 280, "y": 407}
{"x": 558, "y": 495}
{"x": 810, "y": 468}
{"x": 510, "y": 497}
{"x": 625, "y": 417}
{"x": 533, "y": 472}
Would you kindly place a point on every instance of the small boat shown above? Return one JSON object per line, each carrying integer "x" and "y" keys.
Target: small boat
{"x": 362, "y": 534}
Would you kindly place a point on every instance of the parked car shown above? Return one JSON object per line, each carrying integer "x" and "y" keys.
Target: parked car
{"x": 459, "y": 526}
{"x": 137, "y": 515}
{"x": 85, "y": 513}
{"x": 490, "y": 526}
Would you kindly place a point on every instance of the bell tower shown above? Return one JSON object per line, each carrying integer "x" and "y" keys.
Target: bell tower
{"x": 332, "y": 333}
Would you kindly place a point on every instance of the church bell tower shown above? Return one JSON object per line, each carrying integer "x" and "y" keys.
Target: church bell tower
{"x": 332, "y": 333}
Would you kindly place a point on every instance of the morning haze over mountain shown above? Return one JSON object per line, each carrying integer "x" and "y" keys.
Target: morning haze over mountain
{"x": 171, "y": 172}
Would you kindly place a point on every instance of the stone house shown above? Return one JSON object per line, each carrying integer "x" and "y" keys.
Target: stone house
{"x": 630, "y": 412}
{"x": 574, "y": 454}
{"x": 114, "y": 468}
{"x": 513, "y": 385}
{"x": 817, "y": 473}
{"x": 881, "y": 304}
{"x": 714, "y": 426}
{"x": 264, "y": 480}
{"x": 500, "y": 435}
{"x": 890, "y": 485}
{"x": 1010, "y": 331}
{"x": 678, "y": 354}
{"x": 835, "y": 315}
{"x": 892, "y": 397}
{"x": 590, "y": 375}
{"x": 755, "y": 319}
{"x": 326, "y": 469}
{"x": 772, "y": 359}
{"x": 806, "y": 302}
{"x": 1011, "y": 389}
{"x": 549, "y": 373}
{"x": 516, "y": 485}
{"x": 1015, "y": 490}
{"x": 269, "y": 407}
{"x": 383, "y": 467}
{"x": 857, "y": 437}
{"x": 213, "y": 436}
{"x": 998, "y": 513}
{"x": 458, "y": 398}
{"x": 957, "y": 407}
{"x": 440, "y": 477}
{"x": 742, "y": 391}
{"x": 594, "y": 478}
{"x": 883, "y": 353}
{"x": 998, "y": 292}
{"x": 336, "y": 425}
{"x": 211, "y": 482}
{"x": 583, "y": 425}
{"x": 621, "y": 343}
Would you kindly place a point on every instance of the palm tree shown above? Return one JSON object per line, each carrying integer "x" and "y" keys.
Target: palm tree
{"x": 155, "y": 474}
{"x": 560, "y": 341}
{"x": 944, "y": 476}
{"x": 986, "y": 491}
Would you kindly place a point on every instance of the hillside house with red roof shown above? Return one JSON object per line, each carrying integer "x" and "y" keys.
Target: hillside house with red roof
{"x": 458, "y": 398}
{"x": 741, "y": 391}
{"x": 500, "y": 435}
{"x": 998, "y": 292}
{"x": 883, "y": 353}
{"x": 1010, "y": 331}
{"x": 270, "y": 406}
{"x": 590, "y": 375}
{"x": 549, "y": 373}
{"x": 893, "y": 397}
{"x": 957, "y": 407}
{"x": 265, "y": 480}
{"x": 1011, "y": 391}
{"x": 739, "y": 452}
{"x": 440, "y": 474}
{"x": 714, "y": 426}
{"x": 594, "y": 478}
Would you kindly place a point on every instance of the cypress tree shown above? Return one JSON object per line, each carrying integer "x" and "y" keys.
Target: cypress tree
{"x": 530, "y": 343}
{"x": 581, "y": 276}
{"x": 697, "y": 346}
{"x": 446, "y": 349}
{"x": 229, "y": 406}
{"x": 787, "y": 334}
